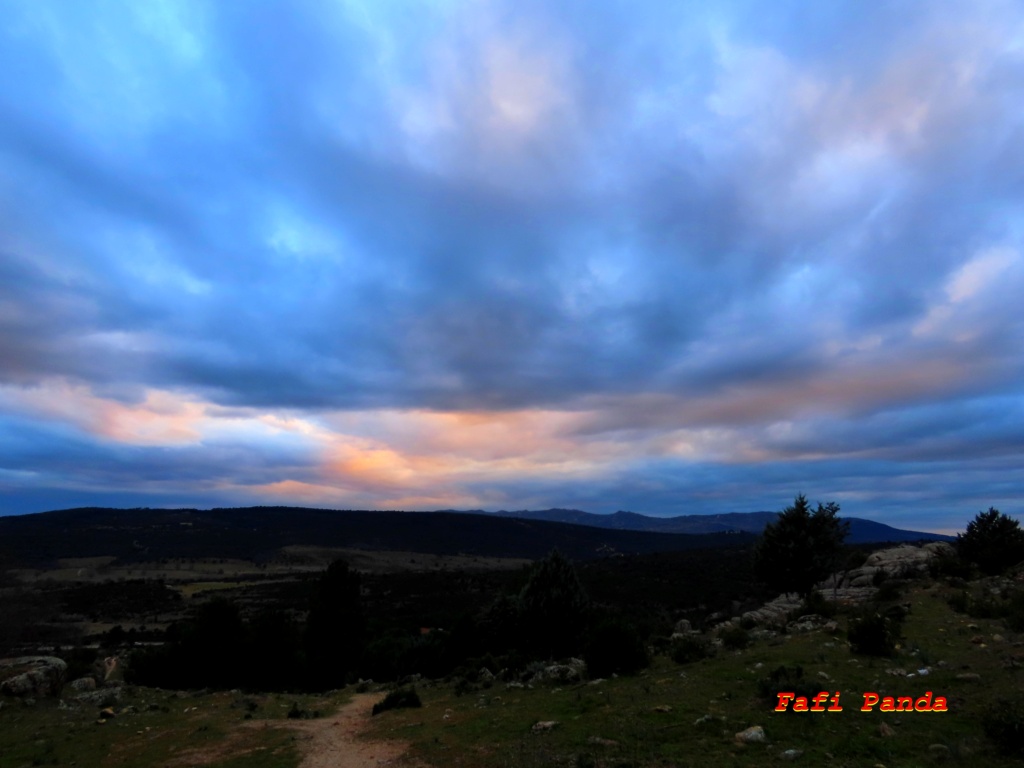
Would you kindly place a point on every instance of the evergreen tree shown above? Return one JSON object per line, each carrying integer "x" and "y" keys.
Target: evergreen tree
{"x": 335, "y": 629}
{"x": 554, "y": 608}
{"x": 993, "y": 541}
{"x": 801, "y": 547}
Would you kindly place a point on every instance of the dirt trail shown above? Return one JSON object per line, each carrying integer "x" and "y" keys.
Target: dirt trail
{"x": 334, "y": 742}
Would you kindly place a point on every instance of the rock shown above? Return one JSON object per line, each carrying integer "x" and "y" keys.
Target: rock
{"x": 939, "y": 751}
{"x": 598, "y": 741}
{"x": 105, "y": 697}
{"x": 485, "y": 675}
{"x": 968, "y": 676}
{"x": 32, "y": 676}
{"x": 683, "y": 627}
{"x": 108, "y": 713}
{"x": 791, "y": 754}
{"x": 83, "y": 684}
{"x": 662, "y": 708}
{"x": 570, "y": 672}
{"x": 544, "y": 725}
{"x": 808, "y": 623}
{"x": 885, "y": 730}
{"x": 752, "y": 735}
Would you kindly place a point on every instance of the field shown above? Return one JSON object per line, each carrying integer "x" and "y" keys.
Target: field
{"x": 671, "y": 714}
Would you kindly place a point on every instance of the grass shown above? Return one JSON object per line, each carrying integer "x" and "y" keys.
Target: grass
{"x": 651, "y": 720}
{"x": 157, "y": 728}
{"x": 671, "y": 715}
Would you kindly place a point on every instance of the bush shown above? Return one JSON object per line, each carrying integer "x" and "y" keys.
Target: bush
{"x": 689, "y": 649}
{"x": 785, "y": 679}
{"x": 815, "y": 602}
{"x": 614, "y": 645}
{"x": 875, "y": 635}
{"x": 401, "y": 698}
{"x": 1015, "y": 612}
{"x": 949, "y": 566}
{"x": 1003, "y": 723}
{"x": 735, "y": 638}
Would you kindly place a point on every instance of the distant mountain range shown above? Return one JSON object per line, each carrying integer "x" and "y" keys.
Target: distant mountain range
{"x": 861, "y": 531}
{"x": 259, "y": 533}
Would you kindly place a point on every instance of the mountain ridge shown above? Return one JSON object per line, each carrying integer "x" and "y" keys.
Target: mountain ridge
{"x": 862, "y": 531}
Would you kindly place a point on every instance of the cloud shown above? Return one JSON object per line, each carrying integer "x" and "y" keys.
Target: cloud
{"x": 489, "y": 254}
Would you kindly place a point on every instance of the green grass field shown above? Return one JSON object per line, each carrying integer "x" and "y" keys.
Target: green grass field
{"x": 688, "y": 715}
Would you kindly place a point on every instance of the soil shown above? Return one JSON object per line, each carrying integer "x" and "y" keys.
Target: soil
{"x": 334, "y": 742}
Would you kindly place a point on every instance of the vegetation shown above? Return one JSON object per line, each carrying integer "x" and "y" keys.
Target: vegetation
{"x": 400, "y": 698}
{"x": 874, "y": 634}
{"x": 800, "y": 548}
{"x": 472, "y": 644}
{"x": 992, "y": 542}
{"x": 554, "y": 609}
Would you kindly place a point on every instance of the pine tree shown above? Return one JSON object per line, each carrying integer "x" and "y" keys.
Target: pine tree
{"x": 993, "y": 541}
{"x": 801, "y": 547}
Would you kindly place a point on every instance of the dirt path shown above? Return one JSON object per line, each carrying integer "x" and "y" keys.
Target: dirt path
{"x": 334, "y": 742}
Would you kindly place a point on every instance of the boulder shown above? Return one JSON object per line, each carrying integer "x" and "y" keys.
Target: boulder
{"x": 83, "y": 684}
{"x": 752, "y": 735}
{"x": 32, "y": 676}
{"x": 571, "y": 671}
{"x": 105, "y": 697}
{"x": 544, "y": 725}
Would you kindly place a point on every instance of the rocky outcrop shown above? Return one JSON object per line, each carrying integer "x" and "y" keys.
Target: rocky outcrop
{"x": 32, "y": 676}
{"x": 853, "y": 586}
{"x": 904, "y": 561}
{"x": 774, "y": 613}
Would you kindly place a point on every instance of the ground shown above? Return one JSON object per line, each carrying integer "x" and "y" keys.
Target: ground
{"x": 337, "y": 742}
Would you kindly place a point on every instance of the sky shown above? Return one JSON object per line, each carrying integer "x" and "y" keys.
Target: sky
{"x": 673, "y": 258}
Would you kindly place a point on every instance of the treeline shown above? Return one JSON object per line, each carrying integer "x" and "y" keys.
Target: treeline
{"x": 551, "y": 617}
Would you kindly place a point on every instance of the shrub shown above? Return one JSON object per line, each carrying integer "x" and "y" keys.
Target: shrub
{"x": 1003, "y": 723}
{"x": 890, "y": 589}
{"x": 789, "y": 679}
{"x": 815, "y": 602}
{"x": 735, "y": 638}
{"x": 614, "y": 645}
{"x": 874, "y": 635}
{"x": 949, "y": 566}
{"x": 691, "y": 648}
{"x": 959, "y": 601}
{"x": 401, "y": 698}
{"x": 1015, "y": 612}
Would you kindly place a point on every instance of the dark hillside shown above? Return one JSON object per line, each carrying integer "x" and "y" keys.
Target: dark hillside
{"x": 256, "y": 533}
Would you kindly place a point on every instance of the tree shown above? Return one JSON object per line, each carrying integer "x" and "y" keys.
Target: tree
{"x": 335, "y": 629}
{"x": 554, "y": 608}
{"x": 801, "y": 547}
{"x": 993, "y": 541}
